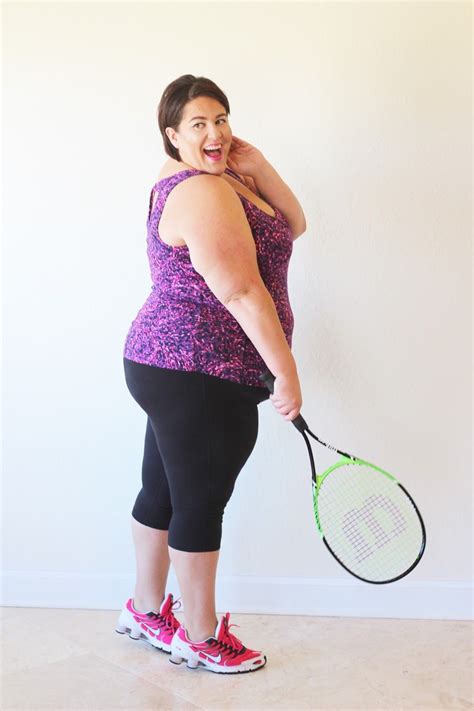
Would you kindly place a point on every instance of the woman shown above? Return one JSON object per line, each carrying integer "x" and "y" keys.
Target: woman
{"x": 218, "y": 315}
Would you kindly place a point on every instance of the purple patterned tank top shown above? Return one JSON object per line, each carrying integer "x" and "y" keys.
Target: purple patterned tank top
{"x": 182, "y": 325}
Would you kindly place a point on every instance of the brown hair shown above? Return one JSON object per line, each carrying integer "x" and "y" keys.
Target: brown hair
{"x": 176, "y": 96}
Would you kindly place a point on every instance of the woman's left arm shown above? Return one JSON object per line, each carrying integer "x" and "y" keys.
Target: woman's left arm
{"x": 276, "y": 192}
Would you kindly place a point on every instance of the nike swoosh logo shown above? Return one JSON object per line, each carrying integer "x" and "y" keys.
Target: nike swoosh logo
{"x": 211, "y": 658}
{"x": 146, "y": 626}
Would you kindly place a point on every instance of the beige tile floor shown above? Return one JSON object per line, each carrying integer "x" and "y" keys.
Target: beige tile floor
{"x": 74, "y": 659}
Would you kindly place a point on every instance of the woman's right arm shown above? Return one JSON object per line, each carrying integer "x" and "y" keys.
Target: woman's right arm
{"x": 222, "y": 250}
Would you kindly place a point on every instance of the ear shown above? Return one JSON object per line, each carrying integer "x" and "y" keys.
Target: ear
{"x": 171, "y": 133}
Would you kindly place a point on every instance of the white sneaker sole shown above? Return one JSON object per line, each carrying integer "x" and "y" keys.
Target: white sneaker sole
{"x": 128, "y": 625}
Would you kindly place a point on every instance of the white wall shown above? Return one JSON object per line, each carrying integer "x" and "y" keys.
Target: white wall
{"x": 365, "y": 111}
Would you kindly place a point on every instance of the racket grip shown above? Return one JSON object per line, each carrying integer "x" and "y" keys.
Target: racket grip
{"x": 267, "y": 378}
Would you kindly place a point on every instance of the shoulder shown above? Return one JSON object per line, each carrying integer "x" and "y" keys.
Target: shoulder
{"x": 209, "y": 211}
{"x": 209, "y": 208}
{"x": 203, "y": 192}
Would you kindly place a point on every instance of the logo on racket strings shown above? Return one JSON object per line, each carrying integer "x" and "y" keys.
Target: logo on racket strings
{"x": 367, "y": 519}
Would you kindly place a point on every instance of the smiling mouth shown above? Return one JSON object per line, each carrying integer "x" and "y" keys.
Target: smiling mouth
{"x": 214, "y": 153}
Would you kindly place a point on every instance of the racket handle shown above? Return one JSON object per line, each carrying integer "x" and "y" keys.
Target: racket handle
{"x": 267, "y": 378}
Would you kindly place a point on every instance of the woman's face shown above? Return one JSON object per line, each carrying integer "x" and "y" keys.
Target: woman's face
{"x": 204, "y": 124}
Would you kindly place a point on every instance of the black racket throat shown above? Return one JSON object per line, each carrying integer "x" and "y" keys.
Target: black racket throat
{"x": 268, "y": 379}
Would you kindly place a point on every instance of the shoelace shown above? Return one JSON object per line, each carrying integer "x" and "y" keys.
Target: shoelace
{"x": 168, "y": 620}
{"x": 171, "y": 620}
{"x": 230, "y": 641}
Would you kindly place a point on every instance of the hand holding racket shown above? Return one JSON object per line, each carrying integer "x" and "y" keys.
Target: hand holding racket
{"x": 286, "y": 396}
{"x": 367, "y": 519}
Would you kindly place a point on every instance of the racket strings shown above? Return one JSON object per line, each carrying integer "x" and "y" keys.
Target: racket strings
{"x": 369, "y": 523}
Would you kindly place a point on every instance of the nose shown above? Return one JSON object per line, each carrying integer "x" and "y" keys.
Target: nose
{"x": 215, "y": 132}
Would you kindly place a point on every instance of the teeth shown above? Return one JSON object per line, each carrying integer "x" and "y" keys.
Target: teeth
{"x": 212, "y": 147}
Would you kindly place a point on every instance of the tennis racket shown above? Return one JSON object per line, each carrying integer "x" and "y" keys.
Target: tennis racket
{"x": 367, "y": 519}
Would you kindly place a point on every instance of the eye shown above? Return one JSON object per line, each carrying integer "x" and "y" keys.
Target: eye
{"x": 200, "y": 123}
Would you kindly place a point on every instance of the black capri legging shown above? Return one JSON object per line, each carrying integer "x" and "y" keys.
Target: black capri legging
{"x": 200, "y": 431}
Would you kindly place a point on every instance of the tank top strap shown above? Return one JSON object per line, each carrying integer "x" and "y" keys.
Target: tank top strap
{"x": 236, "y": 175}
{"x": 151, "y": 200}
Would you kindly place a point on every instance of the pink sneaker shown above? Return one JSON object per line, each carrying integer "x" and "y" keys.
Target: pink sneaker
{"x": 157, "y": 628}
{"x": 223, "y": 653}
